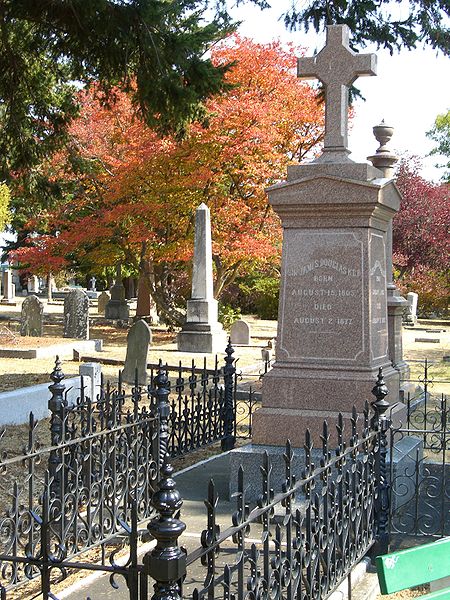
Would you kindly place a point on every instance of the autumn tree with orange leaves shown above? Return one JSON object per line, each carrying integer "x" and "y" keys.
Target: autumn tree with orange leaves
{"x": 134, "y": 194}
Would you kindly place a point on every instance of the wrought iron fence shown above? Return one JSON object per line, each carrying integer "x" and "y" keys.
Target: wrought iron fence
{"x": 420, "y": 458}
{"x": 298, "y": 541}
{"x": 77, "y": 482}
{"x": 88, "y": 473}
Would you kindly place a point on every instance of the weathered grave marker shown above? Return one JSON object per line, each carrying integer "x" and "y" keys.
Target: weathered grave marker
{"x": 117, "y": 308}
{"x": 8, "y": 287}
{"x": 31, "y": 317}
{"x": 76, "y": 315}
{"x": 138, "y": 340}
{"x": 102, "y": 301}
{"x": 240, "y": 333}
{"x": 33, "y": 284}
{"x": 410, "y": 314}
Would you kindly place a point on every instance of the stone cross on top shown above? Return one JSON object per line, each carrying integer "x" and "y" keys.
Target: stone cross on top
{"x": 337, "y": 67}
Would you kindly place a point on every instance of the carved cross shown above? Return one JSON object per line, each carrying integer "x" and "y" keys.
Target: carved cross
{"x": 337, "y": 67}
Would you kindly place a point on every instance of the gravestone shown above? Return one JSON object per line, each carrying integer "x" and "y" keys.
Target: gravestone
{"x": 240, "y": 333}
{"x": 117, "y": 308}
{"x": 92, "y": 284}
{"x": 202, "y": 331}
{"x": 33, "y": 284}
{"x": 138, "y": 340}
{"x": 31, "y": 317}
{"x": 8, "y": 287}
{"x": 332, "y": 322}
{"x": 410, "y": 313}
{"x": 103, "y": 300}
{"x": 76, "y": 315}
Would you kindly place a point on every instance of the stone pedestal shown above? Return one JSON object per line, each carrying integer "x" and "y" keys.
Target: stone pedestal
{"x": 333, "y": 319}
{"x": 117, "y": 310}
{"x": 202, "y": 331}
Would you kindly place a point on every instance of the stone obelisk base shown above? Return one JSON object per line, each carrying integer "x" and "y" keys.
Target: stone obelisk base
{"x": 202, "y": 337}
{"x": 202, "y": 332}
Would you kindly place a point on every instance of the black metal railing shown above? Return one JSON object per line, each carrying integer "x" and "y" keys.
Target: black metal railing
{"x": 87, "y": 473}
{"x": 428, "y": 410}
{"x": 300, "y": 540}
{"x": 298, "y": 543}
{"x": 76, "y": 481}
{"x": 420, "y": 457}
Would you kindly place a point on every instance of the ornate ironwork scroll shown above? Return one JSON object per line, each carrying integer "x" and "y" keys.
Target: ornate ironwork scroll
{"x": 302, "y": 540}
{"x": 78, "y": 483}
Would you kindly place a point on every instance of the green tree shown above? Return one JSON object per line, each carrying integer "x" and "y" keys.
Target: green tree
{"x": 4, "y": 206}
{"x": 440, "y": 133}
{"x": 154, "y": 49}
{"x": 374, "y": 21}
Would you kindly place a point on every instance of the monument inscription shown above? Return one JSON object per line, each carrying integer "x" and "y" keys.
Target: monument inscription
{"x": 377, "y": 302}
{"x": 322, "y": 307}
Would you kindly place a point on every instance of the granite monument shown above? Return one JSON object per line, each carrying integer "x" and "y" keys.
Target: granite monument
{"x": 332, "y": 322}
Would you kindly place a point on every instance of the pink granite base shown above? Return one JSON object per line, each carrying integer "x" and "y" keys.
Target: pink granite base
{"x": 294, "y": 399}
{"x": 273, "y": 426}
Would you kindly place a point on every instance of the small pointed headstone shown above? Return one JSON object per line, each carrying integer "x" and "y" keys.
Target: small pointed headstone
{"x": 102, "y": 301}
{"x": 138, "y": 341}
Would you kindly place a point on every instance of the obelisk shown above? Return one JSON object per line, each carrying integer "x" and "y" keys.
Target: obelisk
{"x": 202, "y": 331}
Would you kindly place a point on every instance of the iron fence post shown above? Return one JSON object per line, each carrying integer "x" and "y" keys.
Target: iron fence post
{"x": 56, "y": 405}
{"x": 161, "y": 393}
{"x": 382, "y": 423}
{"x": 229, "y": 413}
{"x": 166, "y": 563}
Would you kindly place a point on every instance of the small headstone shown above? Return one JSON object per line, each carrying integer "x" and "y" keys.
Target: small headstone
{"x": 94, "y": 372}
{"x": 103, "y": 300}
{"x": 33, "y": 284}
{"x": 138, "y": 340}
{"x": 240, "y": 333}
{"x": 31, "y": 317}
{"x": 410, "y": 314}
{"x": 76, "y": 315}
{"x": 92, "y": 283}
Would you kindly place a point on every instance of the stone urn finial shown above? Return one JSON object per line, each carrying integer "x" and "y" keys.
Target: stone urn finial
{"x": 383, "y": 134}
{"x": 383, "y": 159}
